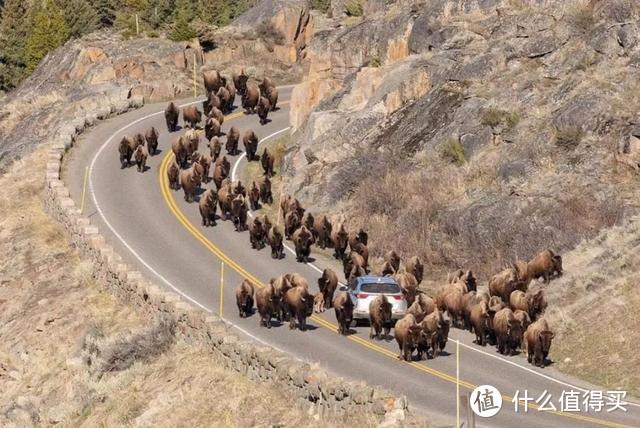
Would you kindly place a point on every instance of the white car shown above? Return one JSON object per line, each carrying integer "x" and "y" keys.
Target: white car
{"x": 364, "y": 289}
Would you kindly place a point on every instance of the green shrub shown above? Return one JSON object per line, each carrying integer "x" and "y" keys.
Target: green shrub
{"x": 321, "y": 5}
{"x": 453, "y": 151}
{"x": 374, "y": 61}
{"x": 353, "y": 7}
{"x": 568, "y": 138}
{"x": 494, "y": 116}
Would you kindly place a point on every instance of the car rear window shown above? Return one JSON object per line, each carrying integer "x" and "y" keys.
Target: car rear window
{"x": 379, "y": 287}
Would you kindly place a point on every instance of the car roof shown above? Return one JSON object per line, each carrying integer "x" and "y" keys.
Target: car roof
{"x": 375, "y": 278}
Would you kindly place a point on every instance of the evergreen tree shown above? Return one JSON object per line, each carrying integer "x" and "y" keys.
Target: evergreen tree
{"x": 217, "y": 12}
{"x": 80, "y": 15}
{"x": 14, "y": 28}
{"x": 158, "y": 12}
{"x": 182, "y": 29}
{"x": 49, "y": 31}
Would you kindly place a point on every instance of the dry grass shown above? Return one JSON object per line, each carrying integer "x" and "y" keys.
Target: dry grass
{"x": 49, "y": 304}
{"x": 595, "y": 310}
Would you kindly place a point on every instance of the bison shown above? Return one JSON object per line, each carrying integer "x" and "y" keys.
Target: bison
{"x": 171, "y": 115}
{"x": 211, "y": 128}
{"x": 263, "y": 109}
{"x": 327, "y": 284}
{"x": 415, "y": 266}
{"x": 339, "y": 239}
{"x": 256, "y": 234}
{"x": 534, "y": 304}
{"x": 225, "y": 198}
{"x": 507, "y": 331}
{"x": 207, "y": 205}
{"x": 179, "y": 148}
{"x": 173, "y": 174}
{"x": 190, "y": 182}
{"x": 221, "y": 171}
{"x": 343, "y": 307}
{"x": 240, "y": 81}
{"x": 545, "y": 264}
{"x": 409, "y": 286}
{"x": 379, "y": 317}
{"x": 191, "y": 116}
{"x": 265, "y": 85}
{"x": 265, "y": 190}
{"x": 226, "y": 103}
{"x": 233, "y": 136}
{"x": 267, "y": 161}
{"x": 267, "y": 303}
{"x": 239, "y": 213}
{"x": 390, "y": 257}
{"x": 480, "y": 322}
{"x": 276, "y": 242}
{"x": 504, "y": 283}
{"x": 126, "y": 151}
{"x": 151, "y": 137}
{"x": 322, "y": 231}
{"x": 537, "y": 342}
{"x": 213, "y": 80}
{"x": 407, "y": 333}
{"x": 250, "y": 142}
{"x": 140, "y": 155}
{"x": 250, "y": 99}
{"x": 244, "y": 299}
{"x": 254, "y": 196}
{"x": 359, "y": 236}
{"x": 215, "y": 147}
{"x": 302, "y": 240}
{"x": 299, "y": 304}
{"x": 272, "y": 96}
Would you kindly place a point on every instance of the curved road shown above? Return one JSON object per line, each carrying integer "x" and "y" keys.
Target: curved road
{"x": 156, "y": 231}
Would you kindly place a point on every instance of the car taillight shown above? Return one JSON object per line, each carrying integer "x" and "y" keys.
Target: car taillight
{"x": 362, "y": 295}
{"x": 398, "y": 296}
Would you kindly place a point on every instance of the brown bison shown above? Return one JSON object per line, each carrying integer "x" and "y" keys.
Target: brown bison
{"x": 318, "y": 303}
{"x": 524, "y": 320}
{"x": 327, "y": 284}
{"x": 407, "y": 334}
{"x": 244, "y": 299}
{"x": 233, "y": 136}
{"x": 125, "y": 149}
{"x": 267, "y": 161}
{"x": 239, "y": 189}
{"x": 267, "y": 303}
{"x": 415, "y": 266}
{"x": 302, "y": 240}
{"x": 250, "y": 142}
{"x": 421, "y": 307}
{"x": 291, "y": 224}
{"x": 537, "y": 342}
{"x": 240, "y": 81}
{"x": 225, "y": 198}
{"x": 215, "y": 147}
{"x": 432, "y": 326}
{"x": 322, "y": 231}
{"x": 308, "y": 221}
{"x": 480, "y": 322}
{"x": 140, "y": 155}
{"x": 211, "y": 128}
{"x": 265, "y": 85}
{"x": 507, "y": 331}
{"x": 390, "y": 257}
{"x": 171, "y": 115}
{"x": 221, "y": 171}
{"x": 191, "y": 141}
{"x": 272, "y": 96}
{"x": 190, "y": 182}
{"x": 263, "y": 109}
{"x": 339, "y": 239}
{"x": 254, "y": 196}
{"x": 179, "y": 148}
{"x": 276, "y": 242}
{"x": 364, "y": 252}
{"x": 358, "y": 237}
{"x": 256, "y": 234}
{"x": 232, "y": 93}
{"x": 213, "y": 80}
{"x": 545, "y": 264}
{"x": 299, "y": 305}
{"x": 504, "y": 283}
{"x": 207, "y": 205}
{"x": 250, "y": 99}
{"x": 173, "y": 174}
{"x": 226, "y": 103}
{"x": 409, "y": 286}
{"x": 387, "y": 270}
{"x": 239, "y": 213}
{"x": 353, "y": 266}
{"x": 265, "y": 190}
{"x": 343, "y": 307}
{"x": 205, "y": 161}
{"x": 191, "y": 116}
{"x": 212, "y": 101}
{"x": 534, "y": 304}
{"x": 379, "y": 317}
{"x": 454, "y": 305}
{"x": 216, "y": 114}
{"x": 151, "y": 137}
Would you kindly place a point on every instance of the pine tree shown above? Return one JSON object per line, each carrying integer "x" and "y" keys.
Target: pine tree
{"x": 182, "y": 29}
{"x": 49, "y": 31}
{"x": 80, "y": 16}
{"x": 14, "y": 28}
{"x": 158, "y": 12}
{"x": 217, "y": 12}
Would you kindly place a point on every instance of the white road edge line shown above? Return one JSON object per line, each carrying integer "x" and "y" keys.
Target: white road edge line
{"x": 131, "y": 250}
{"x": 292, "y": 251}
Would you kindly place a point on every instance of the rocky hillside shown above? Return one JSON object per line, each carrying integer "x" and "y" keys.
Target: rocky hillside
{"x": 472, "y": 133}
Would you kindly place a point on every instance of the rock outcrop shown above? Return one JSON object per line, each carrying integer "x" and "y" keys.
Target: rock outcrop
{"x": 489, "y": 121}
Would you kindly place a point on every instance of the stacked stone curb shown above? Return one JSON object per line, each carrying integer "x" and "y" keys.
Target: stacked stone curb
{"x": 312, "y": 387}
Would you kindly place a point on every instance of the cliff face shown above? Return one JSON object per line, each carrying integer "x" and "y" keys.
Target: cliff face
{"x": 471, "y": 132}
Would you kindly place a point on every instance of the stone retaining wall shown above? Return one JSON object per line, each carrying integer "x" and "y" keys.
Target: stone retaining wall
{"x": 311, "y": 386}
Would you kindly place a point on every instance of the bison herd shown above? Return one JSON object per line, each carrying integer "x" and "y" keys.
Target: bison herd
{"x": 505, "y": 313}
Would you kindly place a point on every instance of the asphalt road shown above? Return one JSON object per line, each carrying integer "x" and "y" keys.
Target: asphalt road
{"x": 160, "y": 234}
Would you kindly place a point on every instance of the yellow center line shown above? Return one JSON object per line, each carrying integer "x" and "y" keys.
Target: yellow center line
{"x": 170, "y": 202}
